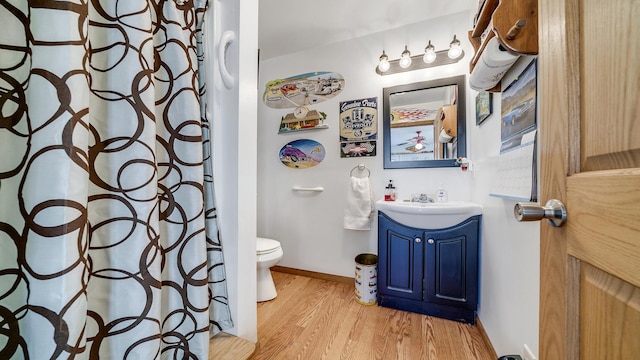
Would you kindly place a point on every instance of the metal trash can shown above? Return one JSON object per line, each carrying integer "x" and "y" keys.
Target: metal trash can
{"x": 366, "y": 279}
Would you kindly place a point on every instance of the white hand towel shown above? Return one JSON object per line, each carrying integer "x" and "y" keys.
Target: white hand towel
{"x": 357, "y": 213}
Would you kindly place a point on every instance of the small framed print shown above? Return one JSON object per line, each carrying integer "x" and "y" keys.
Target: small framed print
{"x": 484, "y": 106}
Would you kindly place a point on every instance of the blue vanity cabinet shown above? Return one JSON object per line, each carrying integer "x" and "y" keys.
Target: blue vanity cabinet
{"x": 429, "y": 271}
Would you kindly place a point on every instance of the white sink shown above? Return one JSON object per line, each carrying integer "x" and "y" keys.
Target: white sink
{"x": 429, "y": 215}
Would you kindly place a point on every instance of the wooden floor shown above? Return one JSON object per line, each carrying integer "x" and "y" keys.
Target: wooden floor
{"x": 228, "y": 347}
{"x": 319, "y": 319}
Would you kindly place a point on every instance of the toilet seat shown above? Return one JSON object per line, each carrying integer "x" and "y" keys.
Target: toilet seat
{"x": 268, "y": 253}
{"x": 266, "y": 246}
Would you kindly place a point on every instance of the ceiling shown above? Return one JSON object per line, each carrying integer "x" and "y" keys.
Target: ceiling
{"x": 289, "y": 26}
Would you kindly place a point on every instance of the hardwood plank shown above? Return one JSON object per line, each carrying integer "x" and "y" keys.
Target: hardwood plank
{"x": 366, "y": 344}
{"x": 287, "y": 290}
{"x": 312, "y": 322}
{"x": 341, "y": 317}
{"x": 429, "y": 347}
{"x": 444, "y": 339}
{"x": 341, "y": 346}
{"x": 281, "y": 327}
{"x": 485, "y": 339}
{"x": 228, "y": 347}
{"x": 319, "y": 319}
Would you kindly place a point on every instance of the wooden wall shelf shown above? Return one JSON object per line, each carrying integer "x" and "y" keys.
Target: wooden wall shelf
{"x": 485, "y": 17}
{"x": 513, "y": 22}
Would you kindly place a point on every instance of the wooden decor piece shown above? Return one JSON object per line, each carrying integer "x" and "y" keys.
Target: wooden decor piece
{"x": 507, "y": 16}
{"x": 450, "y": 120}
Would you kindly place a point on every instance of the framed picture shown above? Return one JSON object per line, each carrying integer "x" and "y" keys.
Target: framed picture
{"x": 484, "y": 106}
{"x": 519, "y": 106}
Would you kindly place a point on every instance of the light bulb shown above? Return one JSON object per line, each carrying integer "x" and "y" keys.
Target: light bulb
{"x": 454, "y": 48}
{"x": 384, "y": 64}
{"x": 405, "y": 58}
{"x": 429, "y": 54}
{"x": 419, "y": 146}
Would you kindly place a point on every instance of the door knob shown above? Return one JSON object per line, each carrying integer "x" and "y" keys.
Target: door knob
{"x": 554, "y": 211}
{"x": 418, "y": 240}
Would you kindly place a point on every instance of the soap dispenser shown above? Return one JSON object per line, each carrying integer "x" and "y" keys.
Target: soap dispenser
{"x": 390, "y": 192}
{"x": 441, "y": 194}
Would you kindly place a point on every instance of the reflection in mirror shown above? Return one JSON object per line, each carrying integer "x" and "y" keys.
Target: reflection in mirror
{"x": 424, "y": 124}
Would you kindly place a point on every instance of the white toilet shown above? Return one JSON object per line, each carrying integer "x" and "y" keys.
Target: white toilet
{"x": 268, "y": 253}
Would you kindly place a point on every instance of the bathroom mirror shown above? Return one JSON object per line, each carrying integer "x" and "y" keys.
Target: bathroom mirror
{"x": 424, "y": 124}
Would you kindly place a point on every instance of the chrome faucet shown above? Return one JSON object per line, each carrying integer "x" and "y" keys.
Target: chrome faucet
{"x": 423, "y": 198}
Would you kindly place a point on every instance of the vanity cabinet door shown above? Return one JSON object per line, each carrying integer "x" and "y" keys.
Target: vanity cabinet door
{"x": 400, "y": 258}
{"x": 451, "y": 266}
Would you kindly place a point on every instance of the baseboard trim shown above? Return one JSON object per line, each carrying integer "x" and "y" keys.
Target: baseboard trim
{"x": 313, "y": 274}
{"x": 486, "y": 339}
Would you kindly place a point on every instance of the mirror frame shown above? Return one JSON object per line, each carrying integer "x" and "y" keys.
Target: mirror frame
{"x": 461, "y": 121}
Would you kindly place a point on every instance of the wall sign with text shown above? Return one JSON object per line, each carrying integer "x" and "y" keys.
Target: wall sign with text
{"x": 358, "y": 127}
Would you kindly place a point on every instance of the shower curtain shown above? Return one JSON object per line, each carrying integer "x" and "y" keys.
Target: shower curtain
{"x": 109, "y": 245}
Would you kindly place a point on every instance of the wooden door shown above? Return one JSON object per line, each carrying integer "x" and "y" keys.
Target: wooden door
{"x": 589, "y": 81}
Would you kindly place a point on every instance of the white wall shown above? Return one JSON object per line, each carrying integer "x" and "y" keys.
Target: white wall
{"x": 309, "y": 226}
{"x": 509, "y": 266}
{"x": 234, "y": 147}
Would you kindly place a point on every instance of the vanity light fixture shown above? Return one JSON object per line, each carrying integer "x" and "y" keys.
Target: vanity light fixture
{"x": 430, "y": 58}
{"x": 454, "y": 48}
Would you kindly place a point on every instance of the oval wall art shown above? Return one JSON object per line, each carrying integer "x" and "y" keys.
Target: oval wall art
{"x": 302, "y": 154}
{"x": 301, "y": 90}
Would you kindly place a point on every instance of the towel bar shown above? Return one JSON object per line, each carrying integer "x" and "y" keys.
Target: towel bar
{"x": 360, "y": 167}
{"x": 316, "y": 189}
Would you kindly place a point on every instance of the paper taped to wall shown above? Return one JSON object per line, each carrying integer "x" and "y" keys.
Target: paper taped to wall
{"x": 494, "y": 62}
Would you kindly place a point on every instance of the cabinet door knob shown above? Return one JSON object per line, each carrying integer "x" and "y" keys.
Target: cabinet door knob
{"x": 418, "y": 240}
{"x": 430, "y": 241}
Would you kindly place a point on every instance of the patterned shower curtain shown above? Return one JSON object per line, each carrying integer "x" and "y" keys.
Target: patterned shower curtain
{"x": 109, "y": 245}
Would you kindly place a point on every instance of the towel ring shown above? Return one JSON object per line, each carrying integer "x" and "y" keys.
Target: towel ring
{"x": 360, "y": 167}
